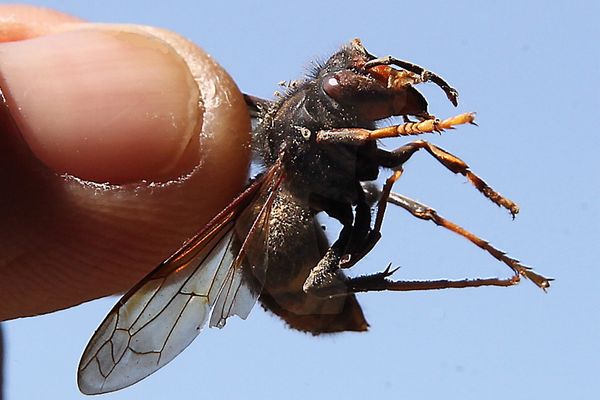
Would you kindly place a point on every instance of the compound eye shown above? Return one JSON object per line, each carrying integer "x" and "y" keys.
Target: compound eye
{"x": 331, "y": 86}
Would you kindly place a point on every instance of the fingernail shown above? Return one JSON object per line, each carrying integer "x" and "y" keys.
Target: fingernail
{"x": 102, "y": 105}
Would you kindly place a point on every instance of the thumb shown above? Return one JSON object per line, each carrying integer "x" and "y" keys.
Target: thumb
{"x": 120, "y": 142}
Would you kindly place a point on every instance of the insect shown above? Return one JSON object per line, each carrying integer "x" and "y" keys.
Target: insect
{"x": 318, "y": 146}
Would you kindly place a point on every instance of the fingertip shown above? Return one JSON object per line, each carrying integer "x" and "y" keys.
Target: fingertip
{"x": 69, "y": 95}
{"x": 120, "y": 105}
{"x": 23, "y": 21}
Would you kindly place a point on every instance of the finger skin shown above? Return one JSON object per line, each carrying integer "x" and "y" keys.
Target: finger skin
{"x": 21, "y": 21}
{"x": 66, "y": 240}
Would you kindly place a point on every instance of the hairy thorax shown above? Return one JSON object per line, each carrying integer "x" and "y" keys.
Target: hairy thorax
{"x": 291, "y": 127}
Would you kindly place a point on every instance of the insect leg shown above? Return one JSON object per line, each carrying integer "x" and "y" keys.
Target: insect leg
{"x": 424, "y": 212}
{"x": 374, "y": 234}
{"x": 325, "y": 278}
{"x": 380, "y": 282}
{"x": 358, "y": 136}
{"x": 361, "y": 234}
{"x": 398, "y": 157}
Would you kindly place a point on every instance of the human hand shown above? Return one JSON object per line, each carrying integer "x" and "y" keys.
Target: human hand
{"x": 117, "y": 143}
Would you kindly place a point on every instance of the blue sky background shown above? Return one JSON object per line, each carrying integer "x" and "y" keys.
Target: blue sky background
{"x": 531, "y": 71}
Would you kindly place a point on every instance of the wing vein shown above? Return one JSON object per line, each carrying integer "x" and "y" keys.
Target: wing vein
{"x": 184, "y": 282}
{"x": 164, "y": 312}
{"x": 172, "y": 329}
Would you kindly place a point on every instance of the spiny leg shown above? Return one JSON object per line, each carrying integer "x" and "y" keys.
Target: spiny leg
{"x": 325, "y": 278}
{"x": 424, "y": 212}
{"x": 399, "y": 156}
{"x": 380, "y": 282}
{"x": 395, "y": 160}
{"x": 358, "y": 136}
{"x": 427, "y": 213}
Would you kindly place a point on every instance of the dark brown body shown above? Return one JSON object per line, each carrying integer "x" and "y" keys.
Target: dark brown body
{"x": 318, "y": 177}
{"x": 319, "y": 146}
{"x": 296, "y": 244}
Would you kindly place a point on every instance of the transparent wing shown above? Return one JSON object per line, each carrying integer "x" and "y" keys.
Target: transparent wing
{"x": 165, "y": 312}
{"x": 243, "y": 286}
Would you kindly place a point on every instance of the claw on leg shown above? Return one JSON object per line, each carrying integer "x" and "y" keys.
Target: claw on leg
{"x": 396, "y": 158}
{"x": 379, "y": 282}
{"x": 424, "y": 212}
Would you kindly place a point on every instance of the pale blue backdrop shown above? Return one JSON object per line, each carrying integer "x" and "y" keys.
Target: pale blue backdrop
{"x": 531, "y": 71}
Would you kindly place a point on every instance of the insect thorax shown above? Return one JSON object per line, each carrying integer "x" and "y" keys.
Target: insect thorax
{"x": 289, "y": 129}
